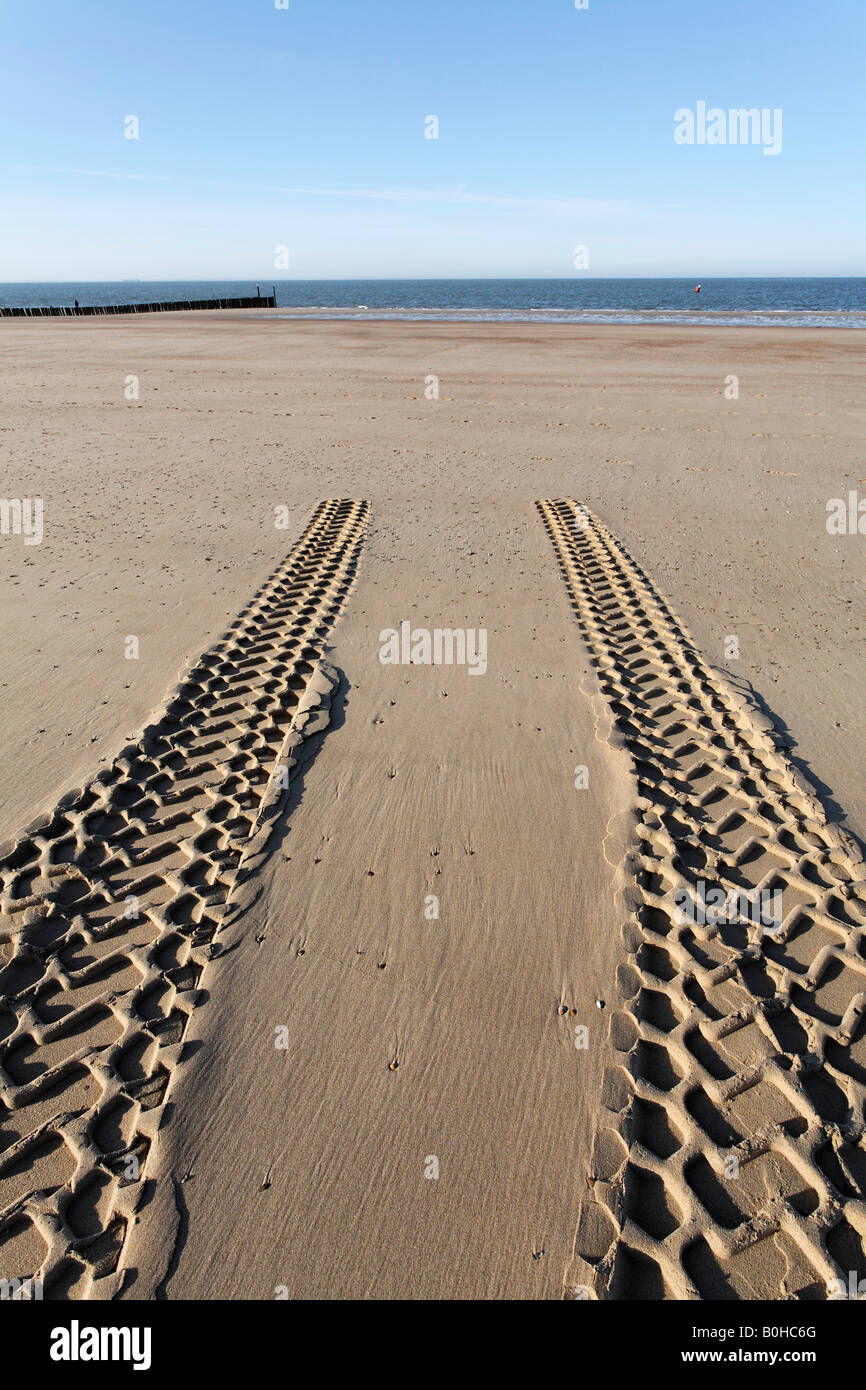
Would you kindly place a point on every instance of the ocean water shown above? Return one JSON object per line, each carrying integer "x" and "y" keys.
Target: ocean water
{"x": 774, "y": 302}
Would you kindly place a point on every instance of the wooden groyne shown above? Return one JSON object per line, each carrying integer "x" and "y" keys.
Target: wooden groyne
{"x": 256, "y": 301}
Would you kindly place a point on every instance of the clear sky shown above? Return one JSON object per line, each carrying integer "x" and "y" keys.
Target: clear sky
{"x": 305, "y": 128}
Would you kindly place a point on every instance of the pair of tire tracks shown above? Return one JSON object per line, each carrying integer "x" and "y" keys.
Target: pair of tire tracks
{"x": 109, "y": 907}
{"x": 740, "y": 1052}
{"x": 732, "y": 1161}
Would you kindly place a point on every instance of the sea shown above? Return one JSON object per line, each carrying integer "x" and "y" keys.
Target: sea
{"x": 777, "y": 302}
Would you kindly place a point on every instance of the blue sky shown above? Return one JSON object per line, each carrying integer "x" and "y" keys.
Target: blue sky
{"x": 305, "y": 128}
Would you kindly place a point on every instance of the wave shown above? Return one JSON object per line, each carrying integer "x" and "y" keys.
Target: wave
{"x": 723, "y": 318}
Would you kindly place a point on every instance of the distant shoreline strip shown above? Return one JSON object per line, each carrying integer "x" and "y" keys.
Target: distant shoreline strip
{"x": 713, "y": 318}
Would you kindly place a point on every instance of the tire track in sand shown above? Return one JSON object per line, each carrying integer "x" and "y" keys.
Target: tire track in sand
{"x": 109, "y": 907}
{"x": 733, "y": 1164}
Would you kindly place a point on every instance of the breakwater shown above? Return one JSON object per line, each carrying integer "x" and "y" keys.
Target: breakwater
{"x": 254, "y": 301}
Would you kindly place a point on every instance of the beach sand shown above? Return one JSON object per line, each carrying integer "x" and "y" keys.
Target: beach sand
{"x": 567, "y": 1163}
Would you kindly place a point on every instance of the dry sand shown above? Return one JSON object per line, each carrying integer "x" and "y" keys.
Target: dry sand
{"x": 305, "y": 1167}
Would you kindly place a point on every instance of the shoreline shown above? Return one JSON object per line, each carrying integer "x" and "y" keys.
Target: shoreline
{"x": 438, "y": 317}
{"x": 241, "y": 316}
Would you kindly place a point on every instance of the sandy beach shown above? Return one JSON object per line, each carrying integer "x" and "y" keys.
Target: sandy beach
{"x": 361, "y": 980}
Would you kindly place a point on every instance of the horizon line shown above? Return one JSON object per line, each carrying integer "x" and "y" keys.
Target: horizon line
{"x": 396, "y": 279}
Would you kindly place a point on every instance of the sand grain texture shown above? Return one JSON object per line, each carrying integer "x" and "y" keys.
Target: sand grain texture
{"x": 109, "y": 911}
{"x": 410, "y": 1037}
{"x": 428, "y": 781}
{"x": 741, "y": 1102}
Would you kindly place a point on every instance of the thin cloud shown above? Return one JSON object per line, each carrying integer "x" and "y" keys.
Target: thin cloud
{"x": 551, "y": 206}
{"x": 555, "y": 206}
{"x": 87, "y": 173}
